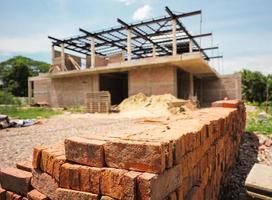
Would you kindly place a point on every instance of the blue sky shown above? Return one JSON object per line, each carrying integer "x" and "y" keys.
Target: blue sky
{"x": 241, "y": 28}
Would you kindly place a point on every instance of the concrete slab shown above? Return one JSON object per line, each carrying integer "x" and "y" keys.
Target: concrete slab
{"x": 259, "y": 181}
{"x": 191, "y": 62}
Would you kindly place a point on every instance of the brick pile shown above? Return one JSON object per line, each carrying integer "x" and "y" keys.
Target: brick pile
{"x": 186, "y": 159}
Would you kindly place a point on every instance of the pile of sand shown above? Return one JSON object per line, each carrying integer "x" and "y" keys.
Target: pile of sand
{"x": 156, "y": 104}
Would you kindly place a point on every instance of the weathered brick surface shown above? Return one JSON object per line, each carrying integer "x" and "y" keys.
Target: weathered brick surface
{"x": 58, "y": 161}
{"x": 79, "y": 177}
{"x": 36, "y": 195}
{"x": 85, "y": 151}
{"x": 9, "y": 195}
{"x": 25, "y": 165}
{"x": 133, "y": 155}
{"x": 119, "y": 183}
{"x": 2, "y": 194}
{"x": 44, "y": 183}
{"x": 37, "y": 154}
{"x": 15, "y": 180}
{"x": 67, "y": 194}
{"x": 47, "y": 157}
{"x": 106, "y": 198}
{"x": 90, "y": 179}
{"x": 154, "y": 186}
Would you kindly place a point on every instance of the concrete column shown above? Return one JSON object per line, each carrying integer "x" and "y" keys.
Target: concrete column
{"x": 92, "y": 52}
{"x": 190, "y": 46}
{"x": 29, "y": 86}
{"x": 174, "y": 42}
{"x": 191, "y": 87}
{"x": 154, "y": 51}
{"x": 129, "y": 45}
{"x": 62, "y": 56}
{"x": 52, "y": 54}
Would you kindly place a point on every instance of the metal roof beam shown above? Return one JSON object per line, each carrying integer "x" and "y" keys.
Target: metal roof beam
{"x": 174, "y": 16}
{"x": 141, "y": 35}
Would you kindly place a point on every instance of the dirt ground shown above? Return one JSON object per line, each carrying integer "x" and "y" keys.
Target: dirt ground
{"x": 16, "y": 144}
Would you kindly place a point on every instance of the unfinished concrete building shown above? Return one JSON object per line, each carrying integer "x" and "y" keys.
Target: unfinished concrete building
{"x": 155, "y": 56}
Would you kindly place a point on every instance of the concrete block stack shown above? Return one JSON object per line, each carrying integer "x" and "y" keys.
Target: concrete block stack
{"x": 185, "y": 159}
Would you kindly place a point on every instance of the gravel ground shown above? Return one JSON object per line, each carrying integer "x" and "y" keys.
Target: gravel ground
{"x": 254, "y": 148}
{"x": 16, "y": 144}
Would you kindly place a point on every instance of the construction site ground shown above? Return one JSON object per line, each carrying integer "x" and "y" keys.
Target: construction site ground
{"x": 16, "y": 144}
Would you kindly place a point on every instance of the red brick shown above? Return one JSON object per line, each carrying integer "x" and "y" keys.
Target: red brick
{"x": 36, "y": 195}
{"x": 2, "y": 194}
{"x": 135, "y": 155}
{"x": 25, "y": 165}
{"x": 44, "y": 183}
{"x": 15, "y": 180}
{"x": 90, "y": 179}
{"x": 106, "y": 198}
{"x": 227, "y": 103}
{"x": 154, "y": 186}
{"x": 37, "y": 154}
{"x": 169, "y": 150}
{"x": 48, "y": 154}
{"x": 67, "y": 194}
{"x": 64, "y": 175}
{"x": 9, "y": 195}
{"x": 58, "y": 161}
{"x": 74, "y": 177}
{"x": 173, "y": 196}
{"x": 50, "y": 161}
{"x": 179, "y": 150}
{"x": 85, "y": 151}
{"x": 119, "y": 183}
{"x": 17, "y": 197}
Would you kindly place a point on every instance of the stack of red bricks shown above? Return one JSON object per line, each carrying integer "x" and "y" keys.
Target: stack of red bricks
{"x": 187, "y": 159}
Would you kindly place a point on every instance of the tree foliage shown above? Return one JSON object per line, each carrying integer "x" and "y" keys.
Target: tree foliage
{"x": 256, "y": 87}
{"x": 15, "y": 72}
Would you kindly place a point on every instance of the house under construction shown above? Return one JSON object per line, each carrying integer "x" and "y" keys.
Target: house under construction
{"x": 155, "y": 56}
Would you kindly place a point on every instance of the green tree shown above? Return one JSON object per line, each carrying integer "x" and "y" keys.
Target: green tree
{"x": 15, "y": 72}
{"x": 254, "y": 86}
{"x": 15, "y": 80}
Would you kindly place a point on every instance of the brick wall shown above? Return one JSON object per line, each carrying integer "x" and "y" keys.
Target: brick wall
{"x": 159, "y": 80}
{"x": 214, "y": 89}
{"x": 41, "y": 91}
{"x": 69, "y": 65}
{"x": 65, "y": 92}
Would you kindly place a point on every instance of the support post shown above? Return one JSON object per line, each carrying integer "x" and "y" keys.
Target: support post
{"x": 29, "y": 86}
{"x": 174, "y": 42}
{"x": 62, "y": 57}
{"x": 154, "y": 51}
{"x": 52, "y": 54}
{"x": 190, "y": 46}
{"x": 92, "y": 52}
{"x": 129, "y": 45}
{"x": 191, "y": 89}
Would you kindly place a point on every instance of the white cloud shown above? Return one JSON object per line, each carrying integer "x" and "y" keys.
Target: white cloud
{"x": 126, "y": 2}
{"x": 24, "y": 44}
{"x": 142, "y": 12}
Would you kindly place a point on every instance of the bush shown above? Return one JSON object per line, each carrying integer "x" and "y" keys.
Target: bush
{"x": 256, "y": 86}
{"x": 8, "y": 99}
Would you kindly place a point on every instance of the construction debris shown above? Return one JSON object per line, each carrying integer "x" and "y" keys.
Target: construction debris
{"x": 259, "y": 182}
{"x": 161, "y": 105}
{"x": 5, "y": 122}
{"x": 265, "y": 150}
